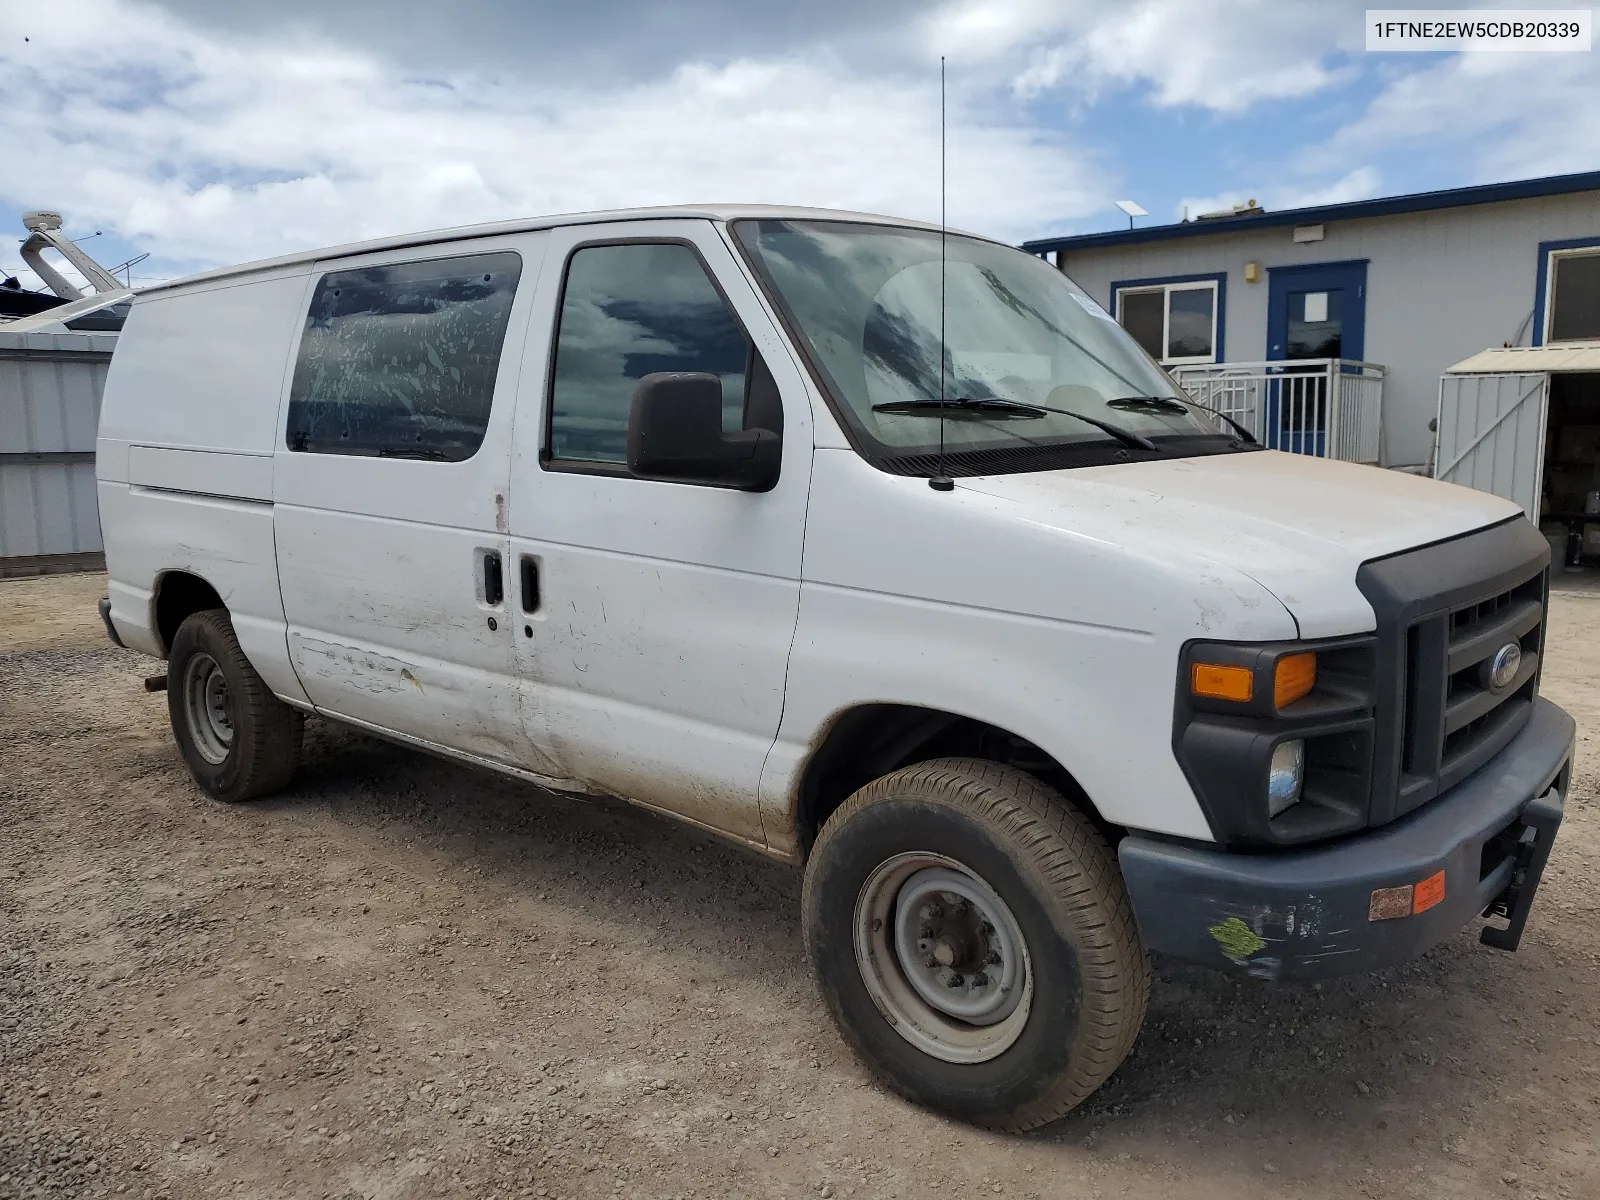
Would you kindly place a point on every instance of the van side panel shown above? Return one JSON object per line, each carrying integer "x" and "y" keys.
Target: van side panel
{"x": 184, "y": 458}
{"x": 203, "y": 369}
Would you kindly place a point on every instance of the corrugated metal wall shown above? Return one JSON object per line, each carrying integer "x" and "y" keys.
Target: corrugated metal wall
{"x": 50, "y": 389}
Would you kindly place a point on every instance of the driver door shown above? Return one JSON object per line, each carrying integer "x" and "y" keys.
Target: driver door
{"x": 654, "y": 619}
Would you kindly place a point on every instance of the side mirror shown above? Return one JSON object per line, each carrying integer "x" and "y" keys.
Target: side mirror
{"x": 675, "y": 433}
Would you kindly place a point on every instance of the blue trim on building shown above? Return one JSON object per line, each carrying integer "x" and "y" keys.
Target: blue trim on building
{"x": 1542, "y": 288}
{"x": 1488, "y": 193}
{"x": 1220, "y": 278}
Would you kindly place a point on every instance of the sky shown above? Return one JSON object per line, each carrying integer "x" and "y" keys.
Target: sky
{"x": 209, "y": 132}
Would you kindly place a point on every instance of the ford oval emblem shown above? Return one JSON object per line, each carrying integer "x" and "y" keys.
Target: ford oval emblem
{"x": 1504, "y": 665}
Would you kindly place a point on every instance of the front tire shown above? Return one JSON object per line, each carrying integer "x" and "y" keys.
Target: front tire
{"x": 239, "y": 740}
{"x": 971, "y": 936}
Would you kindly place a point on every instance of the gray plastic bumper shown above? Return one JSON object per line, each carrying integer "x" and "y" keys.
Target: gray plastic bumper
{"x": 1328, "y": 910}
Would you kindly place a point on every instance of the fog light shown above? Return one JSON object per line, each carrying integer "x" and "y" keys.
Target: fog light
{"x": 1286, "y": 776}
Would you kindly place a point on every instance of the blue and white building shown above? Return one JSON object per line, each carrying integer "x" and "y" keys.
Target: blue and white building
{"x": 1335, "y": 329}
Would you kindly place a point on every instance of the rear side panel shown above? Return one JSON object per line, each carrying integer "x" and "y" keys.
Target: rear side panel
{"x": 184, "y": 462}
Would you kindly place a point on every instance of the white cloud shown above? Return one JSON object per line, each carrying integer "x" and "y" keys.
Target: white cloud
{"x": 1508, "y": 116}
{"x": 1220, "y": 55}
{"x": 210, "y": 150}
{"x": 218, "y": 143}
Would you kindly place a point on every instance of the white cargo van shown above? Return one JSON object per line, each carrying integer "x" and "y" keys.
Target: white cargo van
{"x": 882, "y": 552}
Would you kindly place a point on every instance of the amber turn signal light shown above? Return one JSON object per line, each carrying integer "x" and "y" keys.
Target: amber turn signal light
{"x": 1294, "y": 677}
{"x": 1223, "y": 683}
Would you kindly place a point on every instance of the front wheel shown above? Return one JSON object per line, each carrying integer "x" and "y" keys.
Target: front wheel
{"x": 971, "y": 935}
{"x": 239, "y": 740}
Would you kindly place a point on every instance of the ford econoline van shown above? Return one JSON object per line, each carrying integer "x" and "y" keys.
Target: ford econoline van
{"x": 880, "y": 550}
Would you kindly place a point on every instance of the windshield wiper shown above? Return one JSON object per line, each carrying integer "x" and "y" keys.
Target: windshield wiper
{"x": 1174, "y": 404}
{"x": 1006, "y": 410}
{"x": 426, "y": 452}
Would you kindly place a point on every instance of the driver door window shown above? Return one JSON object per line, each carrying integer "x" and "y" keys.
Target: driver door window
{"x": 631, "y": 309}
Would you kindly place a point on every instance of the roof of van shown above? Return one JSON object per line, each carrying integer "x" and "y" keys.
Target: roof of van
{"x": 713, "y": 212}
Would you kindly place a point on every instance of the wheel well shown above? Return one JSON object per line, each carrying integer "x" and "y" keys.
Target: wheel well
{"x": 875, "y": 739}
{"x": 180, "y": 595}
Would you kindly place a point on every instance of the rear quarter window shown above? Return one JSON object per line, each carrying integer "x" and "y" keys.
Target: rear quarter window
{"x": 400, "y": 360}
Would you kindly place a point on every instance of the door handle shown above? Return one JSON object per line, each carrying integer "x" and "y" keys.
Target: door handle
{"x": 530, "y": 583}
{"x": 494, "y": 584}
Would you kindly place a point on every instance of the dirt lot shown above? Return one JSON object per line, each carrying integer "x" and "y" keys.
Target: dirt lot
{"x": 406, "y": 978}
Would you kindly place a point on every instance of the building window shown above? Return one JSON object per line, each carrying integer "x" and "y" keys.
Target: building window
{"x": 1573, "y": 306}
{"x": 400, "y": 360}
{"x": 1175, "y": 322}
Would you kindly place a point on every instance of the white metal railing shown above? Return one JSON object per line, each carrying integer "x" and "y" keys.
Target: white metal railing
{"x": 1327, "y": 407}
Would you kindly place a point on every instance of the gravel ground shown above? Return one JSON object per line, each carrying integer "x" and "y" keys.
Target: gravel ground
{"x": 407, "y": 978}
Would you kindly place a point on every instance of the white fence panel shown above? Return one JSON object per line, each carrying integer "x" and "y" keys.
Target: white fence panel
{"x": 1491, "y": 435}
{"x": 1325, "y": 407}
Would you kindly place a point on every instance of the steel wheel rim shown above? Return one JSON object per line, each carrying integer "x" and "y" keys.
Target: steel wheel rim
{"x": 208, "y": 708}
{"x": 957, "y": 982}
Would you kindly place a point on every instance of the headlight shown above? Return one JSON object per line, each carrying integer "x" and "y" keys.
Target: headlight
{"x": 1285, "y": 776}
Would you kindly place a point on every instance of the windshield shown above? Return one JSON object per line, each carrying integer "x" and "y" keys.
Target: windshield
{"x": 865, "y": 299}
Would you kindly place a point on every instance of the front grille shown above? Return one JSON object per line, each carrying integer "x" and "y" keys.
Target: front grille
{"x": 1444, "y": 612}
{"x": 1455, "y": 734}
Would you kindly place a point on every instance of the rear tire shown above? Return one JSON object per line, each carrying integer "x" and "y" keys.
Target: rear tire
{"x": 971, "y": 935}
{"x": 239, "y": 740}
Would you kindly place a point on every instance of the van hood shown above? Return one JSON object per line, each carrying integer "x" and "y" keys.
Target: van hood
{"x": 1299, "y": 526}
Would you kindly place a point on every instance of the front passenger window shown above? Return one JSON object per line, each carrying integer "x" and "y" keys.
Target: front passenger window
{"x": 631, "y": 309}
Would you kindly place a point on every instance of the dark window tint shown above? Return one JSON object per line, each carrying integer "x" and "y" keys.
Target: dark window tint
{"x": 1316, "y": 324}
{"x": 102, "y": 320}
{"x": 1189, "y": 321}
{"x": 1142, "y": 316}
{"x": 626, "y": 311}
{"x": 1575, "y": 304}
{"x": 401, "y": 360}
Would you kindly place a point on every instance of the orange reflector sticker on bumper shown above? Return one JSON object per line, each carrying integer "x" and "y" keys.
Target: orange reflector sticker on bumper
{"x": 1429, "y": 892}
{"x": 1389, "y": 903}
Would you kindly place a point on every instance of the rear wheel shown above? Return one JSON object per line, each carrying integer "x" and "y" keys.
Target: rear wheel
{"x": 239, "y": 740}
{"x": 972, "y": 937}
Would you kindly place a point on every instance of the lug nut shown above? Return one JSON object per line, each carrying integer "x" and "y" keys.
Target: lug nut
{"x": 929, "y": 961}
{"x": 980, "y": 980}
{"x": 988, "y": 929}
{"x": 994, "y": 958}
{"x": 956, "y": 980}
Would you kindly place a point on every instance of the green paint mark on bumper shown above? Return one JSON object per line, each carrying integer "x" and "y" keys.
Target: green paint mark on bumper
{"x": 1238, "y": 940}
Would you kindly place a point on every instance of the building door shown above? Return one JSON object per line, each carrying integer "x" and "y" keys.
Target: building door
{"x": 1491, "y": 434}
{"x": 1315, "y": 312}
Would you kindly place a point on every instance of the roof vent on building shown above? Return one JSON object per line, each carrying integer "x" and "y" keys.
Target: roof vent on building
{"x": 1247, "y": 209}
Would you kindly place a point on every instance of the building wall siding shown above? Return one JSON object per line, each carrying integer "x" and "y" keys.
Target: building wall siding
{"x": 50, "y": 389}
{"x": 1440, "y": 286}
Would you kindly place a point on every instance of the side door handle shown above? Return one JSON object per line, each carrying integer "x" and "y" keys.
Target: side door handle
{"x": 530, "y": 583}
{"x": 494, "y": 582}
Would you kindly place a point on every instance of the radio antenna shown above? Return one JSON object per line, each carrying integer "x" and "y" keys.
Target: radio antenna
{"x": 941, "y": 481}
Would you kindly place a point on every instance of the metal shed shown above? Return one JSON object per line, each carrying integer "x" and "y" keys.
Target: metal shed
{"x": 1492, "y": 428}
{"x": 50, "y": 389}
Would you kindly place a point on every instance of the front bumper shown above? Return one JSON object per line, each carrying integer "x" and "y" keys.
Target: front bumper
{"x": 1309, "y": 914}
